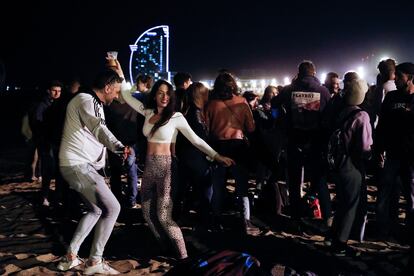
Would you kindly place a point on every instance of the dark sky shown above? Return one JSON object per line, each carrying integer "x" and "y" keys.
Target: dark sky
{"x": 58, "y": 39}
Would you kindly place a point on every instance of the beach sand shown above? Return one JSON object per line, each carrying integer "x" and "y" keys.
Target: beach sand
{"x": 33, "y": 237}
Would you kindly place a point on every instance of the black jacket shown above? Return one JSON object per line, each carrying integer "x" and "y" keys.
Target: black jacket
{"x": 395, "y": 130}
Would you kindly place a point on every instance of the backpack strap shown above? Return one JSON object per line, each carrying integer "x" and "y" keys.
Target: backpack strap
{"x": 348, "y": 116}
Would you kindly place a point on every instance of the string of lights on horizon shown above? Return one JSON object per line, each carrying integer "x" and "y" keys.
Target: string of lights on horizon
{"x": 150, "y": 56}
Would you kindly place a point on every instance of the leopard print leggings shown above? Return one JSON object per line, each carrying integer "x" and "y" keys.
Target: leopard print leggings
{"x": 157, "y": 203}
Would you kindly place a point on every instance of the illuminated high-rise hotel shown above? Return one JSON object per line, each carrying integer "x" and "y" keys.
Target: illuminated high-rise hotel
{"x": 150, "y": 54}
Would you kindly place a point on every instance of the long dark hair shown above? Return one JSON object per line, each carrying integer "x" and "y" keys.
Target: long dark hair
{"x": 225, "y": 87}
{"x": 194, "y": 91}
{"x": 168, "y": 111}
{"x": 268, "y": 94}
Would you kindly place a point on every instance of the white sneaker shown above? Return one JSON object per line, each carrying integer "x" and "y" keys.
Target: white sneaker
{"x": 45, "y": 202}
{"x": 66, "y": 264}
{"x": 100, "y": 268}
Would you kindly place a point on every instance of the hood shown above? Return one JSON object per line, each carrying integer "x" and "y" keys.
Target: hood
{"x": 307, "y": 83}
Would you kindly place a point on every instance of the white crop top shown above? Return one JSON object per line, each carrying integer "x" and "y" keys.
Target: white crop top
{"x": 168, "y": 132}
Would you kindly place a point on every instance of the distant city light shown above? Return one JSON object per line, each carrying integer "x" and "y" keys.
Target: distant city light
{"x": 361, "y": 72}
{"x": 253, "y": 83}
{"x": 239, "y": 84}
{"x": 323, "y": 77}
{"x": 273, "y": 82}
{"x": 286, "y": 80}
{"x": 384, "y": 58}
{"x": 206, "y": 84}
{"x": 263, "y": 83}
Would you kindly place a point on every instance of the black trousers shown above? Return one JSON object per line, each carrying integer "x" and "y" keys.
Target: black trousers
{"x": 352, "y": 202}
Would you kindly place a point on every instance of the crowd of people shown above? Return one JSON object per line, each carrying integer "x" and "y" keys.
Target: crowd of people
{"x": 185, "y": 143}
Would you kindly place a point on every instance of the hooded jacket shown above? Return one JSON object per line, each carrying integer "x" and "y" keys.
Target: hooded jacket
{"x": 305, "y": 100}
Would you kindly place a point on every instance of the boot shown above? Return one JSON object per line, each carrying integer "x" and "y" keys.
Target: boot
{"x": 249, "y": 228}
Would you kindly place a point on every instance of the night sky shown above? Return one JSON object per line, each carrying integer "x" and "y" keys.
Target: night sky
{"x": 59, "y": 39}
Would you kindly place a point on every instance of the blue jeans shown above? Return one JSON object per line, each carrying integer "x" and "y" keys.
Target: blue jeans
{"x": 235, "y": 149}
{"x": 103, "y": 208}
{"x": 193, "y": 171}
{"x": 117, "y": 168}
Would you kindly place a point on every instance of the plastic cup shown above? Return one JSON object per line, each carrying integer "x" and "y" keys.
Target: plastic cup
{"x": 112, "y": 54}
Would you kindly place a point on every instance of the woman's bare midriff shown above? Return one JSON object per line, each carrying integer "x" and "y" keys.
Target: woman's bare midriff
{"x": 160, "y": 149}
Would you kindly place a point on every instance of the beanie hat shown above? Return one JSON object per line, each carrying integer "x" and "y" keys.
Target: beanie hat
{"x": 406, "y": 68}
{"x": 354, "y": 93}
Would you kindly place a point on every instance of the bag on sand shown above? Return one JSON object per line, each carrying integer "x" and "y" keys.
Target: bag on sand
{"x": 224, "y": 263}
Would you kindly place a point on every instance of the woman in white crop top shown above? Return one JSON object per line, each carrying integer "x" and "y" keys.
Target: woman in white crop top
{"x": 161, "y": 128}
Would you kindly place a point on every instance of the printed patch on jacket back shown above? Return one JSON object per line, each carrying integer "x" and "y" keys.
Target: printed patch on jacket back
{"x": 305, "y": 109}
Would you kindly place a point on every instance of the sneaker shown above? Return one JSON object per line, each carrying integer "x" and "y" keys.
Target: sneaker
{"x": 342, "y": 250}
{"x": 338, "y": 251}
{"x": 216, "y": 227}
{"x": 180, "y": 261}
{"x": 100, "y": 268}
{"x": 134, "y": 206}
{"x": 45, "y": 202}
{"x": 66, "y": 264}
{"x": 327, "y": 241}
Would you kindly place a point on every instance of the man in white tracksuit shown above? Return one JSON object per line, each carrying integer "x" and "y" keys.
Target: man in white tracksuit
{"x": 82, "y": 154}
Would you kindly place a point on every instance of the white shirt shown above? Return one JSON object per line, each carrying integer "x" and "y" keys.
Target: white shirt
{"x": 388, "y": 86}
{"x": 168, "y": 132}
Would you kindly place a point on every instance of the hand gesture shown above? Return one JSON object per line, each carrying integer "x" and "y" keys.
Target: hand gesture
{"x": 126, "y": 153}
{"x": 225, "y": 161}
{"x": 380, "y": 160}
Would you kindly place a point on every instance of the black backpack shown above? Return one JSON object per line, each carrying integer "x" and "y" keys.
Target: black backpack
{"x": 337, "y": 152}
{"x": 224, "y": 263}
